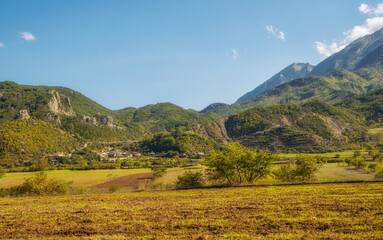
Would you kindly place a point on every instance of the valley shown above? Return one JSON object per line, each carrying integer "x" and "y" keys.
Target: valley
{"x": 299, "y": 156}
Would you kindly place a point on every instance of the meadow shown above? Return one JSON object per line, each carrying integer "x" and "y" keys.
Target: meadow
{"x": 331, "y": 211}
{"x": 80, "y": 178}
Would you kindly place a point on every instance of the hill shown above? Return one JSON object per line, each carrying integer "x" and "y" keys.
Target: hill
{"x": 75, "y": 113}
{"x": 313, "y": 127}
{"x": 20, "y": 139}
{"x": 293, "y": 71}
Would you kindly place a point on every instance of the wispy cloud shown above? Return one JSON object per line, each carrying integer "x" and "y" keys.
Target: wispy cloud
{"x": 275, "y": 32}
{"x": 372, "y": 24}
{"x": 1, "y": 45}
{"x": 28, "y": 36}
{"x": 235, "y": 54}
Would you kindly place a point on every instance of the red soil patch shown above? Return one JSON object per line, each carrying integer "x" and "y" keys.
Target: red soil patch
{"x": 133, "y": 180}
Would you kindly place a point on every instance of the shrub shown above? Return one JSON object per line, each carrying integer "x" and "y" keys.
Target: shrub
{"x": 191, "y": 179}
{"x": 40, "y": 185}
{"x": 379, "y": 173}
{"x": 158, "y": 171}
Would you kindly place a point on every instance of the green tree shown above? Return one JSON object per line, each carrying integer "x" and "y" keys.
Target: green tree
{"x": 302, "y": 170}
{"x": 158, "y": 171}
{"x": 237, "y": 165}
{"x": 2, "y": 172}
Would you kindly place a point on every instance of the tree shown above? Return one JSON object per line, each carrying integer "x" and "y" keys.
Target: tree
{"x": 158, "y": 171}
{"x": 2, "y": 172}
{"x": 237, "y": 165}
{"x": 302, "y": 170}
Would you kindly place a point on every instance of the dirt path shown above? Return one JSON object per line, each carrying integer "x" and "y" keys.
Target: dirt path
{"x": 133, "y": 180}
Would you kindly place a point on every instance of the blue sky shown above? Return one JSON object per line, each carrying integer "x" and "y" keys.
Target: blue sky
{"x": 191, "y": 53}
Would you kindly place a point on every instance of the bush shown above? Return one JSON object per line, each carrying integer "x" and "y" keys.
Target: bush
{"x": 191, "y": 179}
{"x": 379, "y": 173}
{"x": 158, "y": 171}
{"x": 40, "y": 185}
{"x": 302, "y": 170}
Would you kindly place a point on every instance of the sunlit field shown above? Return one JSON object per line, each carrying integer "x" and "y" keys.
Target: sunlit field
{"x": 328, "y": 211}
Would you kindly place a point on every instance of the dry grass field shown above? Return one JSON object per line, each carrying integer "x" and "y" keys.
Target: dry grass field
{"x": 330, "y": 211}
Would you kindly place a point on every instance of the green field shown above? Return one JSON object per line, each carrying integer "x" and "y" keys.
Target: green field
{"x": 343, "y": 154}
{"x": 375, "y": 130}
{"x": 80, "y": 178}
{"x": 330, "y": 211}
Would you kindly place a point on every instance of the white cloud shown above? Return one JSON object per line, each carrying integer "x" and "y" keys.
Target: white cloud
{"x": 364, "y": 8}
{"x": 273, "y": 31}
{"x": 328, "y": 50}
{"x": 28, "y": 36}
{"x": 371, "y": 25}
{"x": 1, "y": 45}
{"x": 235, "y": 54}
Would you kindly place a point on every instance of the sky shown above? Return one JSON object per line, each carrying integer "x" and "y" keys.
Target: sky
{"x": 131, "y": 53}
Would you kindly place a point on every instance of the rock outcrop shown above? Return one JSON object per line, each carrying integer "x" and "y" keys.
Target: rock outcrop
{"x": 53, "y": 117}
{"x": 23, "y": 114}
{"x": 60, "y": 105}
{"x": 216, "y": 130}
{"x": 89, "y": 119}
{"x": 107, "y": 120}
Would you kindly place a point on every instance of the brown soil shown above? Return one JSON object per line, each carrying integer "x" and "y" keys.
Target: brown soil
{"x": 133, "y": 180}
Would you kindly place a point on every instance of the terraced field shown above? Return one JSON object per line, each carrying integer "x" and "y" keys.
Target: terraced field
{"x": 331, "y": 211}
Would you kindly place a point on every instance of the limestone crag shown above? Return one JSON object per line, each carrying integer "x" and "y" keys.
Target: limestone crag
{"x": 23, "y": 114}
{"x": 89, "y": 119}
{"x": 53, "y": 117}
{"x": 60, "y": 105}
{"x": 107, "y": 120}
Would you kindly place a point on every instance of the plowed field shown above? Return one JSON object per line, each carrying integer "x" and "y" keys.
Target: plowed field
{"x": 327, "y": 211}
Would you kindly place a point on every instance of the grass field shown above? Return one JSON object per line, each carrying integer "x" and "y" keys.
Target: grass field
{"x": 344, "y": 154}
{"x": 375, "y": 130}
{"x": 83, "y": 178}
{"x": 330, "y": 211}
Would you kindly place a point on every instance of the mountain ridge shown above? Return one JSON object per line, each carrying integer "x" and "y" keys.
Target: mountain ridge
{"x": 293, "y": 71}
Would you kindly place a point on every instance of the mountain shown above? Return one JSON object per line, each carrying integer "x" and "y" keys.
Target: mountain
{"x": 350, "y": 58}
{"x": 332, "y": 87}
{"x": 80, "y": 116}
{"x": 293, "y": 71}
{"x": 313, "y": 127}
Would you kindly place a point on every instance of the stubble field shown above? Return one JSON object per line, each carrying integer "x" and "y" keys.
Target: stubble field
{"x": 331, "y": 211}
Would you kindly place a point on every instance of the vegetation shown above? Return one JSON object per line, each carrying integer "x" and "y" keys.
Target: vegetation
{"x": 26, "y": 138}
{"x": 191, "y": 179}
{"x": 237, "y": 165}
{"x": 303, "y": 169}
{"x": 38, "y": 185}
{"x": 178, "y": 141}
{"x": 158, "y": 171}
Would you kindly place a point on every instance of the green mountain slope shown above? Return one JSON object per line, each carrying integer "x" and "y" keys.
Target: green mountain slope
{"x": 332, "y": 87}
{"x": 313, "y": 127}
{"x": 20, "y": 139}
